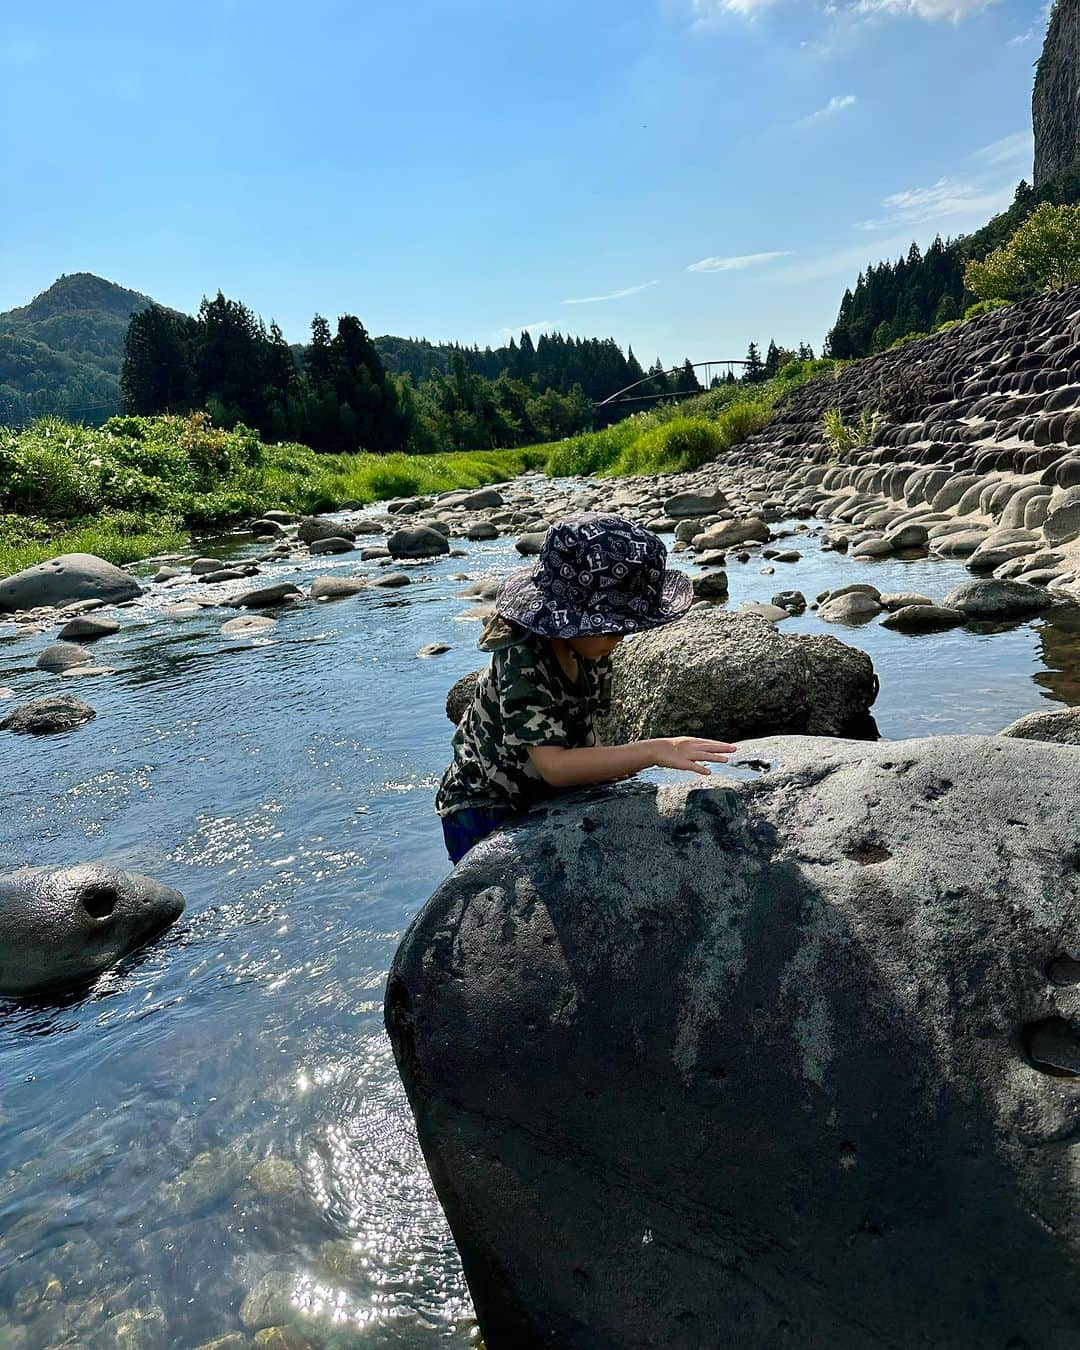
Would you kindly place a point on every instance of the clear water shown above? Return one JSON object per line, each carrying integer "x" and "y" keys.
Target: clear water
{"x": 285, "y": 786}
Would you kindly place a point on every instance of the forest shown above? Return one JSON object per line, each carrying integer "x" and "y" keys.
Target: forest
{"x": 892, "y": 301}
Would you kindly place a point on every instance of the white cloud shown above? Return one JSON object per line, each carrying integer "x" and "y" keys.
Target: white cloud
{"x": 707, "y": 13}
{"x": 837, "y": 104}
{"x": 841, "y": 262}
{"x": 1020, "y": 145}
{"x": 614, "y": 295}
{"x": 932, "y": 10}
{"x": 947, "y": 198}
{"x": 737, "y": 264}
{"x": 515, "y": 330}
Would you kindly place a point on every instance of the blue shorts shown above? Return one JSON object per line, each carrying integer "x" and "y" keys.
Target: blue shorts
{"x": 462, "y": 829}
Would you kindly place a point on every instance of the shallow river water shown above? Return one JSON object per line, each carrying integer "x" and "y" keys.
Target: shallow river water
{"x": 284, "y": 786}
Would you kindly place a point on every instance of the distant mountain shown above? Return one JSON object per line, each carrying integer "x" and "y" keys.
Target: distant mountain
{"x": 62, "y": 352}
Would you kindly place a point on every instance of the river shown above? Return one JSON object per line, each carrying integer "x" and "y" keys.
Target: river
{"x": 285, "y": 785}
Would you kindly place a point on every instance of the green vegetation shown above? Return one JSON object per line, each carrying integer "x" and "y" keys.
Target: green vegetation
{"x": 671, "y": 438}
{"x": 984, "y": 307}
{"x": 841, "y": 436}
{"x": 62, "y": 352}
{"x": 922, "y": 292}
{"x": 135, "y": 486}
{"x": 1044, "y": 253}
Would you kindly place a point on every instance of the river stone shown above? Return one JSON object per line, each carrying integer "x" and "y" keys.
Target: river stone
{"x": 43, "y": 716}
{"x": 755, "y": 1064}
{"x": 961, "y": 544}
{"x": 792, "y": 601}
{"x": 903, "y": 599}
{"x": 248, "y": 625}
{"x": 923, "y": 619}
{"x": 71, "y": 576}
{"x": 433, "y": 649}
{"x": 88, "y": 628}
{"x": 726, "y": 675}
{"x": 461, "y": 694}
{"x": 990, "y": 598}
{"x": 83, "y": 672}
{"x": 266, "y": 529}
{"x": 423, "y": 541}
{"x": 1061, "y": 725}
{"x": 319, "y": 527}
{"x": 204, "y": 567}
{"x": 481, "y": 530}
{"x": 854, "y": 607}
{"x": 281, "y": 593}
{"x": 530, "y": 543}
{"x": 60, "y": 655}
{"x": 729, "y": 533}
{"x": 1063, "y": 525}
{"x": 695, "y": 504}
{"x": 62, "y": 925}
{"x": 336, "y": 588}
{"x": 334, "y": 544}
{"x": 392, "y": 580}
{"x": 711, "y": 586}
{"x": 762, "y": 610}
{"x": 167, "y": 574}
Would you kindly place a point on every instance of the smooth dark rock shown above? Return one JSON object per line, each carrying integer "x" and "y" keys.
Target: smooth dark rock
{"x": 763, "y": 1064}
{"x": 995, "y": 599}
{"x": 87, "y": 628}
{"x": 282, "y": 593}
{"x": 319, "y": 527}
{"x": 43, "y": 716}
{"x": 60, "y": 655}
{"x": 62, "y": 925}
{"x": 423, "y": 541}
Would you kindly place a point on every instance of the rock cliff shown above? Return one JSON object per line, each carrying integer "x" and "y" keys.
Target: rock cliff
{"x": 1055, "y": 113}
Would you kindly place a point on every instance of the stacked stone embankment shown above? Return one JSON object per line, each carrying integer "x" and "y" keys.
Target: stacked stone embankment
{"x": 974, "y": 453}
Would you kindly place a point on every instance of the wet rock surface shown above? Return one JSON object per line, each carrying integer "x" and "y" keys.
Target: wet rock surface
{"x": 71, "y": 576}
{"x": 737, "y": 1065}
{"x": 63, "y": 925}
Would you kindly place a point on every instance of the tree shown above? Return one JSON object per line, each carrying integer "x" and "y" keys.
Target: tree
{"x": 754, "y": 370}
{"x": 1042, "y": 254}
{"x": 157, "y": 374}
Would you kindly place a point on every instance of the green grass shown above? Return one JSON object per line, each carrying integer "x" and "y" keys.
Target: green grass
{"x": 680, "y": 436}
{"x": 138, "y": 485}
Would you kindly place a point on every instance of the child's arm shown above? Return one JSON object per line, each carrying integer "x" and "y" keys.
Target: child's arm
{"x": 563, "y": 768}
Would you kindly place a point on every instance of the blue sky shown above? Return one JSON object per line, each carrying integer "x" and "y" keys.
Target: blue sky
{"x": 682, "y": 174}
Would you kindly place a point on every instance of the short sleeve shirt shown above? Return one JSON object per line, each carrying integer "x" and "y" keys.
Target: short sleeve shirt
{"x": 523, "y": 699}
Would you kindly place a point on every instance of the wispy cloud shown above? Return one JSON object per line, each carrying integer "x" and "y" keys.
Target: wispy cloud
{"x": 614, "y": 295}
{"x": 837, "y": 104}
{"x": 1037, "y": 29}
{"x": 539, "y": 326}
{"x": 708, "y": 13}
{"x": 945, "y": 199}
{"x": 738, "y": 263}
{"x": 952, "y": 11}
{"x": 1019, "y": 146}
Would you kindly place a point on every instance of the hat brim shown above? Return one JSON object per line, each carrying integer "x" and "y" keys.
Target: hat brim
{"x": 521, "y": 601}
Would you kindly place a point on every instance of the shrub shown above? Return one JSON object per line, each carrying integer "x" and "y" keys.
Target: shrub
{"x": 984, "y": 307}
{"x": 683, "y": 443}
{"x": 841, "y": 436}
{"x": 908, "y": 337}
{"x": 1043, "y": 253}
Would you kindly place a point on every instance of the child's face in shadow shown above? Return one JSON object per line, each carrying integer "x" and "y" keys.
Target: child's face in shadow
{"x": 595, "y": 648}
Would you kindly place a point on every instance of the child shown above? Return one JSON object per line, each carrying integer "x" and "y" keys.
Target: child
{"x": 531, "y": 727}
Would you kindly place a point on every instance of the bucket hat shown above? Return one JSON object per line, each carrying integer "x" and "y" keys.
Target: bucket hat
{"x": 595, "y": 574}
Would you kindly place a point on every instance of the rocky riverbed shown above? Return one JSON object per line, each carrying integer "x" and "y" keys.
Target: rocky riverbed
{"x": 211, "y": 1146}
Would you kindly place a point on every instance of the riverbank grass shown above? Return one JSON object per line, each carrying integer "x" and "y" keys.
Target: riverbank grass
{"x": 138, "y": 486}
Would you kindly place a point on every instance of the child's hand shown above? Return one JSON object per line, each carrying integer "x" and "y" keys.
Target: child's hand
{"x": 691, "y": 753}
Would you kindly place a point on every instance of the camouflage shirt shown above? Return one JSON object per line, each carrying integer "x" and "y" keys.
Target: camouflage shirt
{"x": 523, "y": 699}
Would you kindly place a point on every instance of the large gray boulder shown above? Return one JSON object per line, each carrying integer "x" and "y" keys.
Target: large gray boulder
{"x": 59, "y": 581}
{"x": 60, "y": 926}
{"x": 783, "y": 1062}
{"x": 732, "y": 675}
{"x": 995, "y": 599}
{"x": 1057, "y": 724}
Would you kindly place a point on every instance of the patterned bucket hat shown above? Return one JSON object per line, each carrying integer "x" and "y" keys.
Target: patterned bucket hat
{"x": 595, "y": 574}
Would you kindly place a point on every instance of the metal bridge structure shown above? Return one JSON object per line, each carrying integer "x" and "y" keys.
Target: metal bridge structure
{"x": 713, "y": 369}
